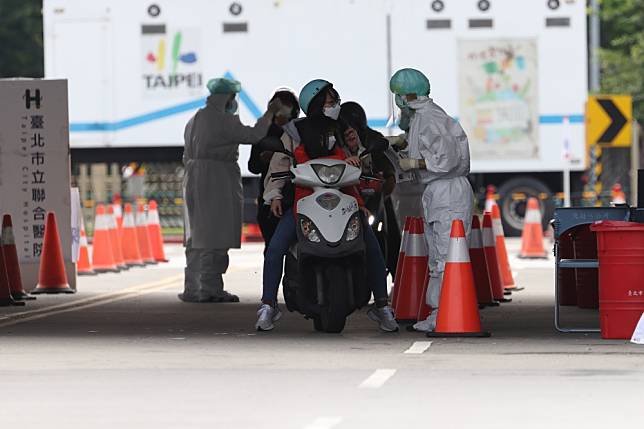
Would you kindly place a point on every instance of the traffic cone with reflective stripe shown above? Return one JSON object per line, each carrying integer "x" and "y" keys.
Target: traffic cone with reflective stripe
{"x": 252, "y": 233}
{"x": 479, "y": 266}
{"x": 83, "y": 265}
{"x": 52, "y": 277}
{"x": 459, "y": 312}
{"x": 502, "y": 253}
{"x": 401, "y": 258}
{"x": 489, "y": 248}
{"x": 413, "y": 273}
{"x": 102, "y": 253}
{"x": 142, "y": 235}
{"x": 11, "y": 261}
{"x": 115, "y": 239}
{"x": 532, "y": 235}
{"x": 154, "y": 233}
{"x": 118, "y": 211}
{"x": 5, "y": 287}
{"x": 490, "y": 197}
{"x": 130, "y": 242}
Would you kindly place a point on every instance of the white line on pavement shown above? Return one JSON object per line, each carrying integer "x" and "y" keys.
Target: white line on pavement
{"x": 377, "y": 379}
{"x": 324, "y": 423}
{"x": 418, "y": 347}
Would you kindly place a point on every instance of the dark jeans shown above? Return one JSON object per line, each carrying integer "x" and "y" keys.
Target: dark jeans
{"x": 285, "y": 235}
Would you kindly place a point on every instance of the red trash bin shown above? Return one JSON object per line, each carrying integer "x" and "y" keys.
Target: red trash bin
{"x": 620, "y": 248}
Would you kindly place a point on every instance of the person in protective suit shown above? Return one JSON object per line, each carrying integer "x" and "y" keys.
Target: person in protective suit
{"x": 439, "y": 155}
{"x": 212, "y": 189}
{"x": 358, "y": 138}
{"x": 319, "y": 136}
{"x": 259, "y": 160}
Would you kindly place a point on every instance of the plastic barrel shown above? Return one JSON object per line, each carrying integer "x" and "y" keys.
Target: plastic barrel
{"x": 621, "y": 273}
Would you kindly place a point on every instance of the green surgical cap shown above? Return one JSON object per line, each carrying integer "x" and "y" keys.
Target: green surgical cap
{"x": 409, "y": 81}
{"x": 221, "y": 85}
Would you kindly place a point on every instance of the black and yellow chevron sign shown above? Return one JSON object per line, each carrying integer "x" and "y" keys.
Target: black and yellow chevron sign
{"x": 608, "y": 120}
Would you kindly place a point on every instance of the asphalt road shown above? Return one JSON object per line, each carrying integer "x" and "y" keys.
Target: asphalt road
{"x": 125, "y": 353}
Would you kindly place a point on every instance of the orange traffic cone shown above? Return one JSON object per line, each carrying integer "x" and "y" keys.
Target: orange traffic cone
{"x": 102, "y": 254}
{"x": 459, "y": 312}
{"x": 5, "y": 288}
{"x": 130, "y": 242}
{"x": 491, "y": 261}
{"x": 479, "y": 266}
{"x": 118, "y": 210}
{"x": 83, "y": 265}
{"x": 142, "y": 235}
{"x": 502, "y": 253}
{"x": 115, "y": 239}
{"x": 401, "y": 259}
{"x": 532, "y": 235}
{"x": 52, "y": 277}
{"x": 424, "y": 310}
{"x": 11, "y": 261}
{"x": 490, "y": 197}
{"x": 154, "y": 233}
{"x": 413, "y": 273}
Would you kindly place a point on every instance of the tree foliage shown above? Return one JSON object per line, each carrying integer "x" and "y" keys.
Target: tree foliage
{"x": 622, "y": 56}
{"x": 21, "y": 40}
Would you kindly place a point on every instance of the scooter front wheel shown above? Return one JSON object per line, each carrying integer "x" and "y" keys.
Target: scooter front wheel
{"x": 333, "y": 315}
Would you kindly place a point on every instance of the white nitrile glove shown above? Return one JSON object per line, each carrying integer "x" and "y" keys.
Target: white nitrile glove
{"x": 409, "y": 164}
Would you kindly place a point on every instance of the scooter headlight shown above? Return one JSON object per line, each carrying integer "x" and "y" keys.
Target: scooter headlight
{"x": 309, "y": 230}
{"x": 329, "y": 175}
{"x": 353, "y": 228}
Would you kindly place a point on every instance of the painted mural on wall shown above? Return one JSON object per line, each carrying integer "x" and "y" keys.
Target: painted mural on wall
{"x": 498, "y": 98}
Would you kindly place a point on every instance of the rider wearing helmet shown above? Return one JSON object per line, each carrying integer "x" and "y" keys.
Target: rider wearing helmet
{"x": 320, "y": 136}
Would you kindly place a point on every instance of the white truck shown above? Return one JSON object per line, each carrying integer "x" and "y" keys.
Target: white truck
{"x": 514, "y": 73}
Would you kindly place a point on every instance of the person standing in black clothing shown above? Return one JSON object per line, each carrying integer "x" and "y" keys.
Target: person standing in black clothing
{"x": 260, "y": 159}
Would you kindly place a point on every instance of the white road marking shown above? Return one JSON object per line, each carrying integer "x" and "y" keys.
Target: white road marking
{"x": 324, "y": 423}
{"x": 418, "y": 347}
{"x": 377, "y": 379}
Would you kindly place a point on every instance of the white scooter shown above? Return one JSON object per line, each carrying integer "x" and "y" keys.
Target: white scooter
{"x": 325, "y": 271}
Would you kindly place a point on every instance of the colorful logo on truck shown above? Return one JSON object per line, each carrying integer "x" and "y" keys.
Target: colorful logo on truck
{"x": 171, "y": 61}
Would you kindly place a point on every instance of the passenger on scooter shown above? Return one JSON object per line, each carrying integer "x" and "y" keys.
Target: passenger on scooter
{"x": 358, "y": 138}
{"x": 260, "y": 159}
{"x": 320, "y": 137}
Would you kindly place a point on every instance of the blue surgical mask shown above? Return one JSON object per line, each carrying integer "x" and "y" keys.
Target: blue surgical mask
{"x": 405, "y": 118}
{"x": 231, "y": 107}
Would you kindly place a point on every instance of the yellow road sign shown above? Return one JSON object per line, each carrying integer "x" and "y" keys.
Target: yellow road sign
{"x": 608, "y": 120}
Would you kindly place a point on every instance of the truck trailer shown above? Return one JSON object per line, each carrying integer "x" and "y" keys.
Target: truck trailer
{"x": 514, "y": 73}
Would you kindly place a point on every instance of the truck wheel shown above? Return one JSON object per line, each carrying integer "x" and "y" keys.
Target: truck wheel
{"x": 514, "y": 195}
{"x": 333, "y": 315}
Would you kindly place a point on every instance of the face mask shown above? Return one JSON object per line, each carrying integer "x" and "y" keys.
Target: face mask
{"x": 332, "y": 112}
{"x": 231, "y": 107}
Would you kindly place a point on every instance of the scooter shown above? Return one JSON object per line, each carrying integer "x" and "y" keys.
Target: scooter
{"x": 325, "y": 271}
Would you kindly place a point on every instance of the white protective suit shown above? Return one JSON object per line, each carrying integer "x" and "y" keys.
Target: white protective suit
{"x": 212, "y": 190}
{"x": 439, "y": 140}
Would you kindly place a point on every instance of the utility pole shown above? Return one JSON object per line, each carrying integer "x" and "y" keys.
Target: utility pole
{"x": 594, "y": 46}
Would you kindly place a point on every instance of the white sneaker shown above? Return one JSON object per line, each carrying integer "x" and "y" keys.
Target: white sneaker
{"x": 427, "y": 325}
{"x": 384, "y": 316}
{"x": 266, "y": 316}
